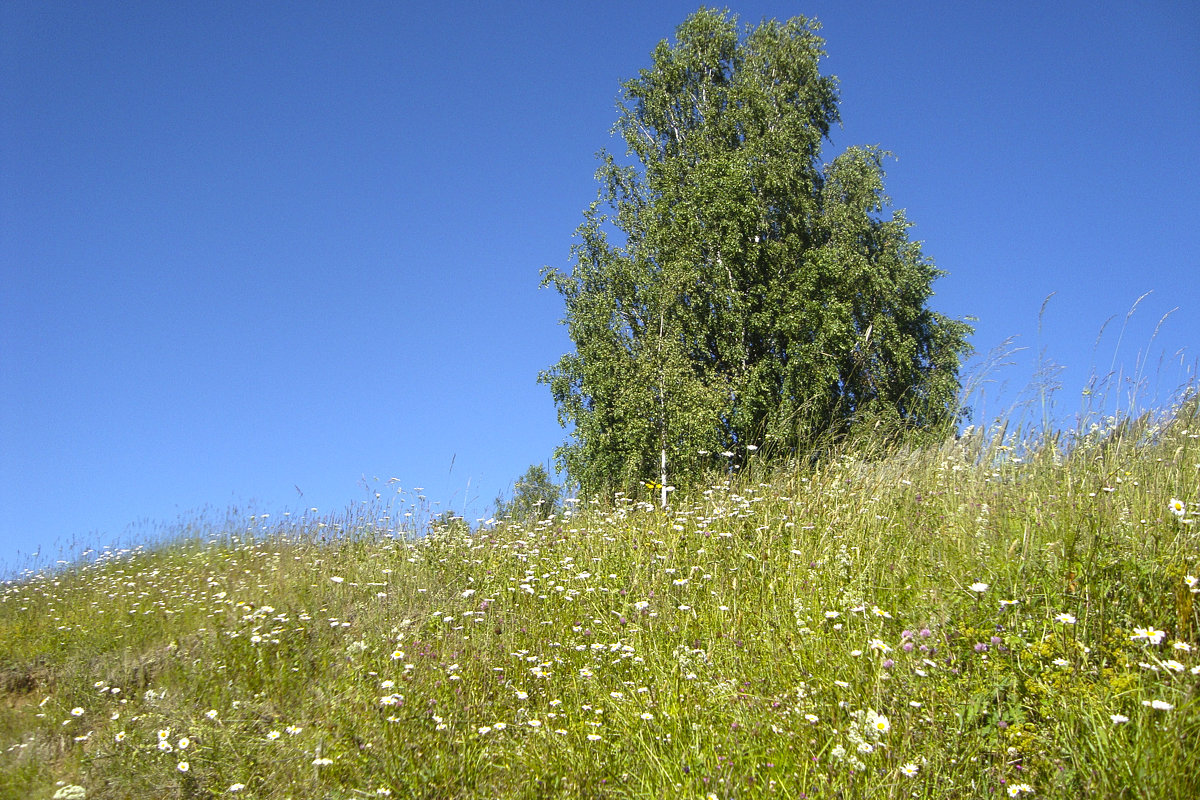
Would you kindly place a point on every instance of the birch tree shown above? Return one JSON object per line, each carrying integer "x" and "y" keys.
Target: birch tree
{"x": 727, "y": 288}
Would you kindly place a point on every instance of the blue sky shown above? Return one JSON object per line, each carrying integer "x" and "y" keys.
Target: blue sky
{"x": 249, "y": 250}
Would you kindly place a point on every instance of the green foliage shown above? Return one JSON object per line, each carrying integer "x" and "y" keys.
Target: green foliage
{"x": 535, "y": 496}
{"x": 727, "y": 289}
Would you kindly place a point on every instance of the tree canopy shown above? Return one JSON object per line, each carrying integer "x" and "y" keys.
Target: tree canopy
{"x": 535, "y": 496}
{"x": 729, "y": 289}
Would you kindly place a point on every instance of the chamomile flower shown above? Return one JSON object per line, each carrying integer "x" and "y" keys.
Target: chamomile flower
{"x": 878, "y": 723}
{"x": 909, "y": 770}
{"x": 1065, "y": 619}
{"x": 1177, "y": 507}
{"x": 1149, "y": 634}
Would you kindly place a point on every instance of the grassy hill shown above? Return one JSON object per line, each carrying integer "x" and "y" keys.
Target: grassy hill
{"x": 980, "y": 619}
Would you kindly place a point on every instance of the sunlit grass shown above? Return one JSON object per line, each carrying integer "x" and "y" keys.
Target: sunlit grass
{"x": 990, "y": 617}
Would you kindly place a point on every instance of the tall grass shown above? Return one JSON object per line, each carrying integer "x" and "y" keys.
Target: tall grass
{"x": 1005, "y": 614}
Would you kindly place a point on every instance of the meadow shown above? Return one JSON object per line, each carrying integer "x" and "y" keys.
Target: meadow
{"x": 988, "y": 617}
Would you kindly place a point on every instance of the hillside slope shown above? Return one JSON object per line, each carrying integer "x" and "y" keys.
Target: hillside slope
{"x": 973, "y": 620}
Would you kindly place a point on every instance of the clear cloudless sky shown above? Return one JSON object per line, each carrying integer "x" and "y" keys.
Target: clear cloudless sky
{"x": 249, "y": 250}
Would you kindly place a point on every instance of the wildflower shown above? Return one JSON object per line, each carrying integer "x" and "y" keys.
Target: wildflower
{"x": 1158, "y": 705}
{"x": 273, "y": 735}
{"x": 1008, "y": 603}
{"x": 1192, "y": 583}
{"x": 978, "y": 587}
{"x": 322, "y": 762}
{"x": 646, "y": 715}
{"x": 1065, "y": 619}
{"x": 165, "y": 746}
{"x": 397, "y": 655}
{"x": 468, "y": 592}
{"x": 293, "y": 729}
{"x": 1174, "y": 665}
{"x": 1061, "y": 662}
{"x": 909, "y": 770}
{"x": 1177, "y": 507}
{"x": 1019, "y": 788}
{"x": 164, "y": 734}
{"x": 336, "y": 579}
{"x": 880, "y": 645}
{"x": 183, "y": 766}
{"x": 1184, "y": 646}
{"x": 1149, "y": 634}
{"x": 236, "y": 787}
{"x": 183, "y": 743}
{"x": 812, "y": 718}
{"x": 211, "y": 713}
{"x": 878, "y": 722}
{"x": 1118, "y": 719}
{"x": 594, "y": 737}
{"x": 120, "y": 737}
